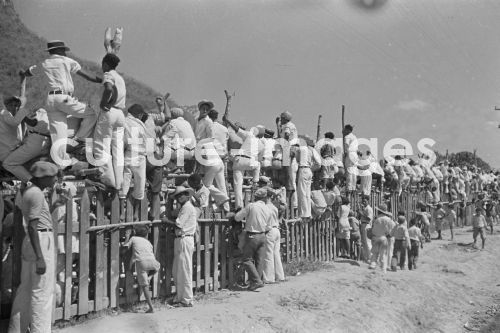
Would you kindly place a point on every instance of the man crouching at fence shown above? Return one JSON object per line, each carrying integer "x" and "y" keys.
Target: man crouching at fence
{"x": 32, "y": 306}
{"x": 186, "y": 226}
{"x": 257, "y": 217}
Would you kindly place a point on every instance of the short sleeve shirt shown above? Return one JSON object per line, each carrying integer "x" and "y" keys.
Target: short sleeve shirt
{"x": 116, "y": 80}
{"x": 58, "y": 70}
{"x": 35, "y": 206}
{"x": 187, "y": 219}
{"x": 142, "y": 249}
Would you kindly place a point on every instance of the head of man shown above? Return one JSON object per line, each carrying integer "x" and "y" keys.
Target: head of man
{"x": 182, "y": 194}
{"x": 213, "y": 114}
{"x": 44, "y": 174}
{"x": 137, "y": 111}
{"x": 285, "y": 117}
{"x": 347, "y": 129}
{"x": 329, "y": 135}
{"x": 365, "y": 200}
{"x": 259, "y": 131}
{"x": 12, "y": 104}
{"x": 176, "y": 113}
{"x": 204, "y": 106}
{"x": 260, "y": 194}
{"x": 194, "y": 181}
{"x": 57, "y": 47}
{"x": 109, "y": 62}
{"x": 345, "y": 201}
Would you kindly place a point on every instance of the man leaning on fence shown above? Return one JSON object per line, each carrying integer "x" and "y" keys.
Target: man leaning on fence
{"x": 32, "y": 306}
{"x": 257, "y": 217}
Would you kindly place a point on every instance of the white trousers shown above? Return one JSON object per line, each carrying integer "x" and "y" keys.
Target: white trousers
{"x": 183, "y": 269}
{"x": 366, "y": 184}
{"x": 59, "y": 107}
{"x": 240, "y": 165}
{"x": 216, "y": 172}
{"x": 33, "y": 145}
{"x": 304, "y": 181}
{"x": 272, "y": 269}
{"x": 32, "y": 305}
{"x": 135, "y": 170}
{"x": 108, "y": 146}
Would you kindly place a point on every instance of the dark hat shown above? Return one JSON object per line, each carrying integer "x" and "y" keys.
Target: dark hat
{"x": 56, "y": 44}
{"x": 213, "y": 113}
{"x": 43, "y": 169}
{"x": 207, "y": 102}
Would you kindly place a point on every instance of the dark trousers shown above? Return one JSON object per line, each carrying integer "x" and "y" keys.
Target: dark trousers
{"x": 413, "y": 255}
{"x": 400, "y": 252}
{"x": 154, "y": 175}
{"x": 253, "y": 253}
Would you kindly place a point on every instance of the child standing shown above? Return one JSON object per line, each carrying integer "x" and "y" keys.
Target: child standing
{"x": 401, "y": 242}
{"x": 416, "y": 240}
{"x": 355, "y": 237}
{"x": 144, "y": 258}
{"x": 478, "y": 225}
{"x": 451, "y": 217}
{"x": 439, "y": 214}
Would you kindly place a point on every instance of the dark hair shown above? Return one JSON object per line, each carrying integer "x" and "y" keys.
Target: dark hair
{"x": 111, "y": 59}
{"x": 136, "y": 109}
{"x": 330, "y": 184}
{"x": 348, "y": 127}
{"x": 213, "y": 114}
{"x": 329, "y": 135}
{"x": 401, "y": 213}
{"x": 194, "y": 178}
{"x": 413, "y": 221}
{"x": 345, "y": 201}
{"x": 141, "y": 230}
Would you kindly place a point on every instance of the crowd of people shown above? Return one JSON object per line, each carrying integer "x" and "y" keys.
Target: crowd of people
{"x": 287, "y": 172}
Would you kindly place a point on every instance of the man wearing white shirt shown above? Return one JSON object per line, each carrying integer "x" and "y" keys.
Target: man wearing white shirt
{"x": 350, "y": 151}
{"x": 109, "y": 131}
{"x": 204, "y": 125}
{"x": 61, "y": 103}
{"x": 179, "y": 137}
{"x": 307, "y": 156}
{"x": 10, "y": 125}
{"x": 288, "y": 131}
{"x": 246, "y": 159}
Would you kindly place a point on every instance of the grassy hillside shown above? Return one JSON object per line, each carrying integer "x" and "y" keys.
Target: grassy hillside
{"x": 20, "y": 48}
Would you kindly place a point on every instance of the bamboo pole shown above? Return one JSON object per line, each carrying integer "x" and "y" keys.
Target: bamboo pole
{"x": 344, "y": 152}
{"x": 318, "y": 130}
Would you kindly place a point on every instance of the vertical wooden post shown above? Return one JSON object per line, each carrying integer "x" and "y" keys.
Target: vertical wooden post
{"x": 68, "y": 267}
{"x": 83, "y": 279}
{"x": 1, "y": 238}
{"x": 344, "y": 153}
{"x": 318, "y": 130}
{"x": 100, "y": 256}
{"x": 114, "y": 256}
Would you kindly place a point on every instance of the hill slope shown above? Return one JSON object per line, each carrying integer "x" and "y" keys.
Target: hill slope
{"x": 20, "y": 48}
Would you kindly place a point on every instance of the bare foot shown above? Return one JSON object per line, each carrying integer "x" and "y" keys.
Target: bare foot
{"x": 150, "y": 310}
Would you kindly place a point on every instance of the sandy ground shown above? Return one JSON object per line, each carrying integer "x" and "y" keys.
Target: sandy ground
{"x": 453, "y": 284}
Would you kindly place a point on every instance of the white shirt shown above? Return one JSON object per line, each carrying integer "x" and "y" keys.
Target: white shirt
{"x": 58, "y": 70}
{"x": 351, "y": 142}
{"x": 10, "y": 131}
{"x": 180, "y": 134}
{"x": 204, "y": 129}
{"x": 135, "y": 138}
{"x": 257, "y": 217}
{"x": 221, "y": 135}
{"x": 187, "y": 219}
{"x": 116, "y": 80}
{"x": 250, "y": 146}
{"x": 42, "y": 125}
{"x": 290, "y": 129}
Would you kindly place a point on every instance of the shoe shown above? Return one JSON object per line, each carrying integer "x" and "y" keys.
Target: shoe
{"x": 182, "y": 305}
{"x": 255, "y": 286}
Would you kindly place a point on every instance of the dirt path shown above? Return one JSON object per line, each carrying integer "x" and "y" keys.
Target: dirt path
{"x": 452, "y": 282}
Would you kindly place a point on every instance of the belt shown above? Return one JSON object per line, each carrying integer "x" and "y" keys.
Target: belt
{"x": 44, "y": 230}
{"x": 304, "y": 166}
{"x": 245, "y": 156}
{"x": 182, "y": 236}
{"x": 60, "y": 92}
{"x": 35, "y": 132}
{"x": 255, "y": 233}
{"x": 189, "y": 149}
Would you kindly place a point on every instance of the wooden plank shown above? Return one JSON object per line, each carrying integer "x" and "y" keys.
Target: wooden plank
{"x": 215, "y": 271}
{"x": 114, "y": 256}
{"x": 17, "y": 241}
{"x": 206, "y": 262}
{"x": 169, "y": 259}
{"x": 198, "y": 259}
{"x": 300, "y": 238}
{"x": 287, "y": 242}
{"x": 100, "y": 262}
{"x": 155, "y": 237}
{"x": 130, "y": 292}
{"x": 322, "y": 240}
{"x": 306, "y": 238}
{"x": 223, "y": 256}
{"x": 68, "y": 267}
{"x": 83, "y": 278}
{"x": 292, "y": 241}
{"x": 2, "y": 211}
{"x": 328, "y": 240}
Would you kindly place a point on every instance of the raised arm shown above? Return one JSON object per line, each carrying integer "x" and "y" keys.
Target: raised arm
{"x": 228, "y": 122}
{"x": 166, "y": 108}
{"x": 228, "y": 106}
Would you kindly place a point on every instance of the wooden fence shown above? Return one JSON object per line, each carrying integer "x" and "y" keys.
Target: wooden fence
{"x": 99, "y": 276}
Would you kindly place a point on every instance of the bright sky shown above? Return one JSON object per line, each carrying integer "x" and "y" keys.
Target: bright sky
{"x": 409, "y": 69}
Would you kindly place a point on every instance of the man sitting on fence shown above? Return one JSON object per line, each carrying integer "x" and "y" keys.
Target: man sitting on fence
{"x": 32, "y": 307}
